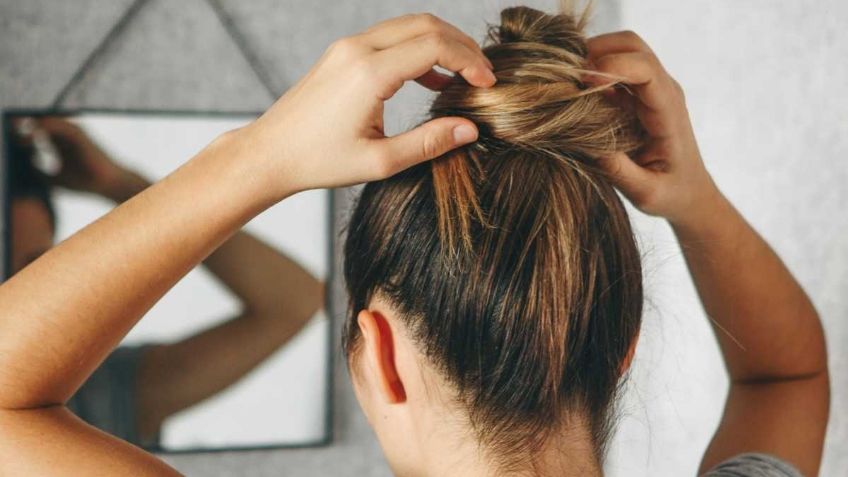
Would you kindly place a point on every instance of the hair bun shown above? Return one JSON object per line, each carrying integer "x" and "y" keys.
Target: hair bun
{"x": 540, "y": 102}
{"x": 523, "y": 24}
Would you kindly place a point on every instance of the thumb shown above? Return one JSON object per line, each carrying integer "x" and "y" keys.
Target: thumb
{"x": 633, "y": 180}
{"x": 428, "y": 141}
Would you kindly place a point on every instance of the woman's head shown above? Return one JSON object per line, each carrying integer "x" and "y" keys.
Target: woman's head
{"x": 500, "y": 284}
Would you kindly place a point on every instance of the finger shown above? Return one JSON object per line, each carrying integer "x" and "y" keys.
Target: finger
{"x": 397, "y": 30}
{"x": 631, "y": 179}
{"x": 643, "y": 73}
{"x": 617, "y": 42}
{"x": 58, "y": 125}
{"x": 414, "y": 58}
{"x": 434, "y": 80}
{"x": 428, "y": 141}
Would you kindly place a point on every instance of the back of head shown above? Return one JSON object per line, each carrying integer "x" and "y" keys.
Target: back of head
{"x": 512, "y": 260}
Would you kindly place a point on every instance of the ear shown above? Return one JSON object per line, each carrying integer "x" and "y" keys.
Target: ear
{"x": 631, "y": 353}
{"x": 379, "y": 350}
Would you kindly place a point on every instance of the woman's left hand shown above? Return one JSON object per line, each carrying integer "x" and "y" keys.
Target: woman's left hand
{"x": 327, "y": 130}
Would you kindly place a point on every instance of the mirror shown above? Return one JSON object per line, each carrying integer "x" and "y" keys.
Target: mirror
{"x": 237, "y": 354}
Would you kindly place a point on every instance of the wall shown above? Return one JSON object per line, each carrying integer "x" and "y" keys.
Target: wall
{"x": 763, "y": 83}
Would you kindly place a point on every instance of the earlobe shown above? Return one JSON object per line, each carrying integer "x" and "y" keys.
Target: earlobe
{"x": 379, "y": 349}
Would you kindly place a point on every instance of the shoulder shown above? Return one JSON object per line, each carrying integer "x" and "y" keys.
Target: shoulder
{"x": 754, "y": 465}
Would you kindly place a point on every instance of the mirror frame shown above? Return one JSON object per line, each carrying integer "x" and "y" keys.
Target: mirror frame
{"x": 5, "y": 249}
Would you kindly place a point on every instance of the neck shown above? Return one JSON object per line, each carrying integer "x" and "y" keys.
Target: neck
{"x": 449, "y": 447}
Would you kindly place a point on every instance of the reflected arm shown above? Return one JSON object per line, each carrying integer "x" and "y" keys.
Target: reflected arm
{"x": 278, "y": 297}
{"x": 63, "y": 314}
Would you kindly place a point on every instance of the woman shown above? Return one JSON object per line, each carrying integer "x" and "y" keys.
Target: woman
{"x": 137, "y": 388}
{"x": 540, "y": 292}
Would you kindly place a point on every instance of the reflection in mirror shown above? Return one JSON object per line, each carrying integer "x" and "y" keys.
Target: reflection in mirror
{"x": 236, "y": 355}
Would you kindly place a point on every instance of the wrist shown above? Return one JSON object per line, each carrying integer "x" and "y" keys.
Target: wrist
{"x": 706, "y": 210}
{"x": 266, "y": 164}
{"x": 250, "y": 164}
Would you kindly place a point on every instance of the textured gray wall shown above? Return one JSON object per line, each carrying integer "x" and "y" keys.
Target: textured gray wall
{"x": 764, "y": 85}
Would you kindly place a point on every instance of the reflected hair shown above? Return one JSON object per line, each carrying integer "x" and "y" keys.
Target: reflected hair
{"x": 25, "y": 180}
{"x": 511, "y": 261}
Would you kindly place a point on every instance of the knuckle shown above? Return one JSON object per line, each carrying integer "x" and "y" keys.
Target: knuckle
{"x": 652, "y": 60}
{"x": 434, "y": 40}
{"x": 630, "y": 35}
{"x": 343, "y": 47}
{"x": 361, "y": 66}
{"x": 652, "y": 64}
{"x": 428, "y": 20}
{"x": 432, "y": 145}
{"x": 383, "y": 163}
{"x": 634, "y": 38}
{"x": 335, "y": 45}
{"x": 361, "y": 70}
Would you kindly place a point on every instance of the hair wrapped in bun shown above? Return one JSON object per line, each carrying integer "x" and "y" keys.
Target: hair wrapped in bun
{"x": 512, "y": 259}
{"x": 540, "y": 102}
{"x": 539, "y": 105}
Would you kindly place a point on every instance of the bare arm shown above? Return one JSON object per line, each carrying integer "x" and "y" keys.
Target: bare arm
{"x": 101, "y": 281}
{"x": 770, "y": 337}
{"x": 278, "y": 297}
{"x": 325, "y": 132}
{"x": 266, "y": 281}
{"x": 768, "y": 331}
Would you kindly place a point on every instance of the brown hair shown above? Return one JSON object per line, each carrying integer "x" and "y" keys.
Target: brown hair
{"x": 511, "y": 260}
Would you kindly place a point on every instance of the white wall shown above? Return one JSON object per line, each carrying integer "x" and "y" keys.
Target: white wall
{"x": 765, "y": 87}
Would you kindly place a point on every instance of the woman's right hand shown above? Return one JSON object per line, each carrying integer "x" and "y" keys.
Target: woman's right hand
{"x": 668, "y": 177}
{"x": 327, "y": 130}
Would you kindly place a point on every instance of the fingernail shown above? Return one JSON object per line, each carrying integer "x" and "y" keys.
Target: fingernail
{"x": 463, "y": 134}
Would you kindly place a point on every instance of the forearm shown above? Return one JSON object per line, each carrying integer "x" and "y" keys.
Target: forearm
{"x": 64, "y": 313}
{"x": 268, "y": 283}
{"x": 765, "y": 324}
{"x": 265, "y": 280}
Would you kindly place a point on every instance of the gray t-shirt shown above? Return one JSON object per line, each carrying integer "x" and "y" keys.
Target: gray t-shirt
{"x": 107, "y": 399}
{"x": 754, "y": 465}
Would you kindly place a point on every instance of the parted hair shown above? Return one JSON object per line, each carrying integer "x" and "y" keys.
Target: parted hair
{"x": 511, "y": 261}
